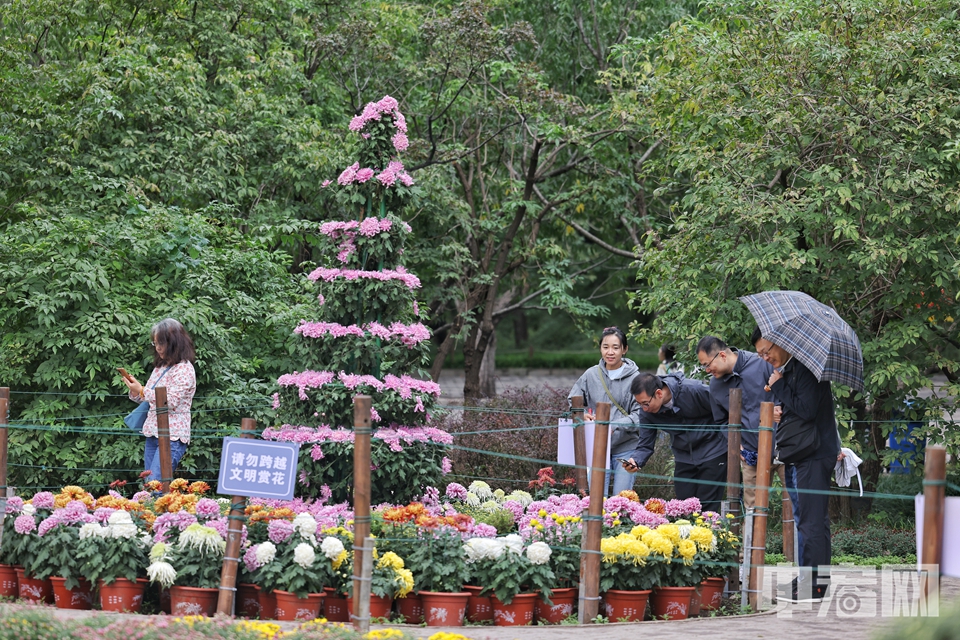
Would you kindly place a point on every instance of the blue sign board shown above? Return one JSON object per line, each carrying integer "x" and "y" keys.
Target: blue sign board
{"x": 258, "y": 468}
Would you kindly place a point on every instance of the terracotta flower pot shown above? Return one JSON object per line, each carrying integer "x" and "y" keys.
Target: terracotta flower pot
{"x": 479, "y": 608}
{"x": 32, "y": 589}
{"x": 379, "y": 607}
{"x": 290, "y": 607}
{"x": 193, "y": 601}
{"x": 563, "y": 604}
{"x": 695, "y": 602}
{"x": 8, "y": 581}
{"x": 335, "y": 606}
{"x": 629, "y": 606}
{"x": 79, "y": 598}
{"x": 122, "y": 595}
{"x": 411, "y": 608}
{"x": 268, "y": 604}
{"x": 711, "y": 593}
{"x": 672, "y": 603}
{"x": 247, "y": 603}
{"x": 518, "y": 613}
{"x": 442, "y": 609}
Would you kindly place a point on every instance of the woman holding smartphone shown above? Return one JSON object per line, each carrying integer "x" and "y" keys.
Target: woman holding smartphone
{"x": 173, "y": 360}
{"x": 610, "y": 381}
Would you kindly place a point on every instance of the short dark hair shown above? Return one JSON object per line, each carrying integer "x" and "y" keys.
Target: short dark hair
{"x": 711, "y": 345}
{"x": 669, "y": 351}
{"x": 755, "y": 336}
{"x": 615, "y": 331}
{"x": 179, "y": 345}
{"x": 646, "y": 383}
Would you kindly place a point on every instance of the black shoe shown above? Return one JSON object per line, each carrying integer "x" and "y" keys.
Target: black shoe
{"x": 793, "y": 592}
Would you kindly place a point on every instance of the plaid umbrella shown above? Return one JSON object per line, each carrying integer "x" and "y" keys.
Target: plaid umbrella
{"x": 812, "y": 332}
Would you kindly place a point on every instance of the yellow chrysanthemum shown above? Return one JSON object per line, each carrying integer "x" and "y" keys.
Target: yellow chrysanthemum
{"x": 180, "y": 484}
{"x": 384, "y": 634}
{"x": 267, "y": 630}
{"x": 658, "y": 543}
{"x": 542, "y": 513}
{"x": 447, "y": 635}
{"x": 670, "y": 531}
{"x": 687, "y": 549}
{"x": 703, "y": 537}
{"x": 624, "y": 548}
{"x": 638, "y": 531}
{"x": 392, "y": 560}
{"x": 340, "y": 559}
{"x": 406, "y": 580}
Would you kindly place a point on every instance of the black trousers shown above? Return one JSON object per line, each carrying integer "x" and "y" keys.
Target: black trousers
{"x": 687, "y": 481}
{"x": 813, "y": 519}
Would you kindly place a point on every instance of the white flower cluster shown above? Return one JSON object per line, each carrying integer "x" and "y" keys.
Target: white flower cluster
{"x": 538, "y": 553}
{"x": 120, "y": 525}
{"x": 514, "y": 543}
{"x": 524, "y": 498}
{"x": 92, "y": 529}
{"x": 306, "y": 525}
{"x": 304, "y": 555}
{"x": 159, "y": 551}
{"x": 331, "y": 547}
{"x": 204, "y": 539}
{"x": 482, "y": 549}
{"x": 473, "y": 499}
{"x": 265, "y": 553}
{"x": 480, "y": 489}
{"x": 163, "y": 573}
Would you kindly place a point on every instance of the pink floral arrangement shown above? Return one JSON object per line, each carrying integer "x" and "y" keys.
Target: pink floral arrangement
{"x": 409, "y": 335}
{"x": 328, "y": 274}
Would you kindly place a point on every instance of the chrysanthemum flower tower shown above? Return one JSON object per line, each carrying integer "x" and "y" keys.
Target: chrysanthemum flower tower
{"x": 368, "y": 335}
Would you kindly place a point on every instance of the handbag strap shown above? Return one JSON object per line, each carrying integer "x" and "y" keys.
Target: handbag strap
{"x": 161, "y": 377}
{"x": 615, "y": 403}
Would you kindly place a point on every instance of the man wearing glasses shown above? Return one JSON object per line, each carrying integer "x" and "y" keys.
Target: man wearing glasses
{"x": 681, "y": 407}
{"x": 734, "y": 369}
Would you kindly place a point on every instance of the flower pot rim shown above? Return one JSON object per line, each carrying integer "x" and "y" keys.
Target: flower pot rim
{"x": 291, "y": 593}
{"x": 633, "y": 590}
{"x": 444, "y": 593}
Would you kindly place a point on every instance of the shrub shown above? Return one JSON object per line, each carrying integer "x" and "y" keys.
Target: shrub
{"x": 873, "y": 540}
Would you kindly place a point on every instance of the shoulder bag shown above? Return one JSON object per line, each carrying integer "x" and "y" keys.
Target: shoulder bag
{"x": 138, "y": 416}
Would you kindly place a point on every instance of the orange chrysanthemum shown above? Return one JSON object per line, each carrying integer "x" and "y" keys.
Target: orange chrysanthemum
{"x": 655, "y": 505}
{"x": 199, "y": 487}
{"x": 629, "y": 495}
{"x": 153, "y": 485}
{"x": 180, "y": 484}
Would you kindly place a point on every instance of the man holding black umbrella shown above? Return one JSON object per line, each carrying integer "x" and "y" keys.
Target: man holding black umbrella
{"x": 807, "y": 438}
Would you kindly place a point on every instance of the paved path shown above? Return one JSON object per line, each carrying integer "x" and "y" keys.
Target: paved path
{"x": 806, "y": 624}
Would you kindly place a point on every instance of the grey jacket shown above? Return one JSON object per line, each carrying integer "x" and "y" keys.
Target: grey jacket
{"x": 696, "y": 436}
{"x": 624, "y": 427}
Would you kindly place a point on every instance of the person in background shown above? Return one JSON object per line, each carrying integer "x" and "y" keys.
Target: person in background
{"x": 731, "y": 368}
{"x": 610, "y": 381}
{"x": 811, "y": 402}
{"x": 681, "y": 407}
{"x": 173, "y": 359}
{"x": 668, "y": 364}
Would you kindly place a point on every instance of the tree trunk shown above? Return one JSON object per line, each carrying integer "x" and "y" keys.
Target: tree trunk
{"x": 446, "y": 348}
{"x": 488, "y": 369}
{"x": 473, "y": 352}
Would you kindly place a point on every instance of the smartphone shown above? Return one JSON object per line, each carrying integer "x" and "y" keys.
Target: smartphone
{"x": 624, "y": 461}
{"x": 123, "y": 372}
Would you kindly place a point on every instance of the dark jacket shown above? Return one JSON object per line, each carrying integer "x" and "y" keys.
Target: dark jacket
{"x": 696, "y": 436}
{"x": 811, "y": 401}
{"x": 750, "y": 375}
{"x": 623, "y": 427}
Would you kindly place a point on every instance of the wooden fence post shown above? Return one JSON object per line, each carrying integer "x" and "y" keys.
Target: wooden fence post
{"x": 592, "y": 527}
{"x": 231, "y": 557}
{"x": 788, "y": 522}
{"x": 734, "y": 485}
{"x": 934, "y": 490}
{"x": 579, "y": 444}
{"x": 758, "y": 546}
{"x": 361, "y": 512}
{"x": 163, "y": 438}
{"x": 4, "y": 433}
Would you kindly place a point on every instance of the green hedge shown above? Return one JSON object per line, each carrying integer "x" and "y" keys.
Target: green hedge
{"x": 646, "y": 360}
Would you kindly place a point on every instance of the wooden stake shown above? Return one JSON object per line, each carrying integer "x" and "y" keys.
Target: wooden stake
{"x": 579, "y": 444}
{"x": 934, "y": 490}
{"x": 592, "y": 527}
{"x": 734, "y": 484}
{"x": 4, "y": 433}
{"x": 789, "y": 525}
{"x": 362, "y": 605}
{"x": 761, "y": 504}
{"x": 231, "y": 557}
{"x": 163, "y": 438}
{"x": 361, "y": 507}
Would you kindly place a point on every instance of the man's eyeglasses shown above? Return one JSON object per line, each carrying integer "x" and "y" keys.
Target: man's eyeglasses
{"x": 709, "y": 364}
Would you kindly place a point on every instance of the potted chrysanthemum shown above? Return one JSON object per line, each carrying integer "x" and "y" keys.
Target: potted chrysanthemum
{"x": 563, "y": 535}
{"x": 716, "y": 555}
{"x": 626, "y": 577}
{"x": 298, "y": 569}
{"x": 57, "y": 558}
{"x": 114, "y": 556}
{"x": 511, "y": 575}
{"x": 440, "y": 570}
{"x": 390, "y": 579}
{"x": 673, "y": 551}
{"x": 190, "y": 569}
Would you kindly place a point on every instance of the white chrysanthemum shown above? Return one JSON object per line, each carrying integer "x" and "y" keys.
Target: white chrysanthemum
{"x": 538, "y": 553}
{"x": 522, "y": 497}
{"x": 331, "y": 547}
{"x": 303, "y": 555}
{"x": 473, "y": 499}
{"x": 146, "y": 539}
{"x": 224, "y": 501}
{"x": 306, "y": 524}
{"x": 490, "y": 505}
{"x": 684, "y": 526}
{"x": 90, "y": 530}
{"x": 159, "y": 551}
{"x": 482, "y": 489}
{"x": 162, "y": 573}
{"x": 203, "y": 539}
{"x": 120, "y": 517}
{"x": 127, "y": 530}
{"x": 29, "y": 509}
{"x": 482, "y": 548}
{"x": 499, "y": 494}
{"x": 265, "y": 553}
{"x": 514, "y": 543}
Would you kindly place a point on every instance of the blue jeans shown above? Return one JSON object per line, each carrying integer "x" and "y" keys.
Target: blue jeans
{"x": 622, "y": 479}
{"x": 790, "y": 482}
{"x": 151, "y": 456}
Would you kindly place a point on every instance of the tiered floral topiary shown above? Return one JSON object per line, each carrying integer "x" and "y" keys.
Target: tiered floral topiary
{"x": 368, "y": 336}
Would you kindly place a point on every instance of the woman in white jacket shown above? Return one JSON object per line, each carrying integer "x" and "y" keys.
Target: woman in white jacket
{"x": 610, "y": 381}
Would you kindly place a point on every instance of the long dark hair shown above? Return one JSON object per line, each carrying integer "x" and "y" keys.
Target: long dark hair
{"x": 179, "y": 345}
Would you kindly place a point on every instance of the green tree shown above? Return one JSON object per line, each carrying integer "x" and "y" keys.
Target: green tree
{"x": 813, "y": 147}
